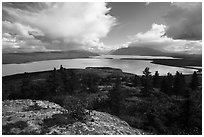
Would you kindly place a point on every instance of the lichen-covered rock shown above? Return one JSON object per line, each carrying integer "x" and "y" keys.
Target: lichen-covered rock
{"x": 44, "y": 117}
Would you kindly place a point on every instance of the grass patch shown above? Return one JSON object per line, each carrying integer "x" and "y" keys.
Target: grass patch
{"x": 33, "y": 107}
{"x": 59, "y": 120}
{"x": 6, "y": 129}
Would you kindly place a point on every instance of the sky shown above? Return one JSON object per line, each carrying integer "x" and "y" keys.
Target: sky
{"x": 101, "y": 27}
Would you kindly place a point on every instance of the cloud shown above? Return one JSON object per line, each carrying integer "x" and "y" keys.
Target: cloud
{"x": 16, "y": 43}
{"x": 154, "y": 34}
{"x": 155, "y": 38}
{"x": 17, "y": 37}
{"x": 19, "y": 29}
{"x": 184, "y": 21}
{"x": 62, "y": 26}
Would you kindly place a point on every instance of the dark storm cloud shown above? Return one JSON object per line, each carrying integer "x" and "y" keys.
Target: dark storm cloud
{"x": 185, "y": 21}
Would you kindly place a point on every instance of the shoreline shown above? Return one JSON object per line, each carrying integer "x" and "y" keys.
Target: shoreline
{"x": 182, "y": 63}
{"x": 76, "y": 69}
{"x": 178, "y": 66}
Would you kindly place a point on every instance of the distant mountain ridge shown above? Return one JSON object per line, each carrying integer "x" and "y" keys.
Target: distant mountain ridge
{"x": 143, "y": 51}
{"x": 146, "y": 51}
{"x": 17, "y": 58}
{"x": 185, "y": 59}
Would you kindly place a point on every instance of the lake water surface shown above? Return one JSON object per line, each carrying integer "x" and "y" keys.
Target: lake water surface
{"x": 131, "y": 66}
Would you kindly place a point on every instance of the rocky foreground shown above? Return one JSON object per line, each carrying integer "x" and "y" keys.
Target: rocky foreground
{"x": 44, "y": 117}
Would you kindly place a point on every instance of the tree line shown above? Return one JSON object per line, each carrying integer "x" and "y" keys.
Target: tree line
{"x": 65, "y": 81}
{"x": 169, "y": 84}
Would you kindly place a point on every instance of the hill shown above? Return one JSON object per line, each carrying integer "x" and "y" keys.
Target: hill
{"x": 17, "y": 58}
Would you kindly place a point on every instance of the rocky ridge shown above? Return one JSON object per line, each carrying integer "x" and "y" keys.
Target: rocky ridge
{"x": 44, "y": 117}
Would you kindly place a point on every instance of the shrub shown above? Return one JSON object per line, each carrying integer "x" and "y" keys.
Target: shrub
{"x": 75, "y": 107}
{"x": 98, "y": 102}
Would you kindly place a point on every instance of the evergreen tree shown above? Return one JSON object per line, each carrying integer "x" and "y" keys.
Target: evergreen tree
{"x": 52, "y": 83}
{"x": 64, "y": 84}
{"x": 179, "y": 84}
{"x": 62, "y": 81}
{"x": 147, "y": 81}
{"x": 135, "y": 80}
{"x": 194, "y": 81}
{"x": 167, "y": 84}
{"x": 176, "y": 82}
{"x": 72, "y": 82}
{"x": 170, "y": 81}
{"x": 61, "y": 68}
{"x": 114, "y": 97}
{"x": 163, "y": 85}
{"x": 156, "y": 80}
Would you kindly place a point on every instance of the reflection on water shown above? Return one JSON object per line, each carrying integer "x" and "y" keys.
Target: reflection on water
{"x": 131, "y": 66}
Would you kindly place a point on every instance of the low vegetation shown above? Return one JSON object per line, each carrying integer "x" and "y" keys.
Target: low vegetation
{"x": 170, "y": 104}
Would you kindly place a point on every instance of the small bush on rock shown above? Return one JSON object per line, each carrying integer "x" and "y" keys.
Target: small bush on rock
{"x": 75, "y": 107}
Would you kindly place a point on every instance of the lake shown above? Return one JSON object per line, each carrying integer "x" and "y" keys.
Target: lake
{"x": 131, "y": 66}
